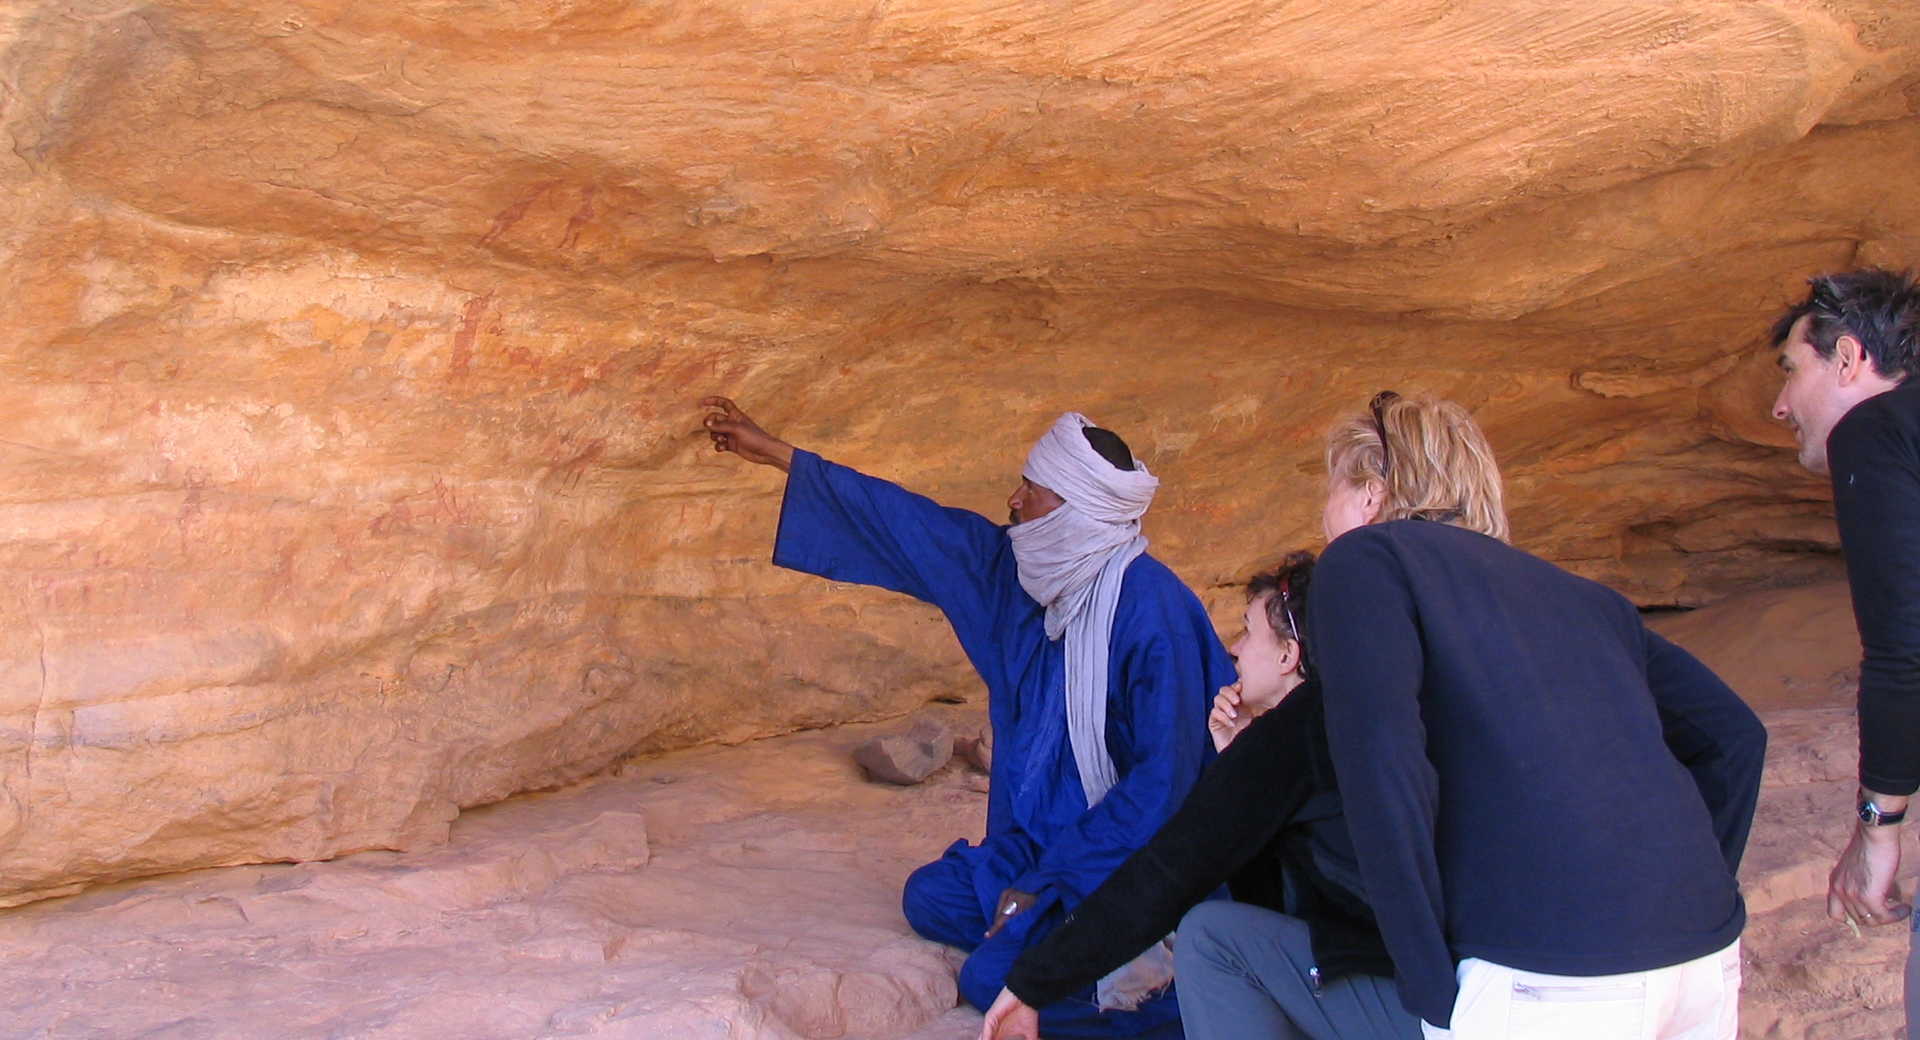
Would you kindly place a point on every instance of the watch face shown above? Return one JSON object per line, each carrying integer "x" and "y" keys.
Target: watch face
{"x": 1871, "y": 815}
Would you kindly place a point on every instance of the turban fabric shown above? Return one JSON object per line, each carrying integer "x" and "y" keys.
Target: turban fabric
{"x": 1071, "y": 562}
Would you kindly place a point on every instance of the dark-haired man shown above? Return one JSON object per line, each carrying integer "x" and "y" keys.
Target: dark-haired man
{"x": 1100, "y": 668}
{"x": 1848, "y": 351}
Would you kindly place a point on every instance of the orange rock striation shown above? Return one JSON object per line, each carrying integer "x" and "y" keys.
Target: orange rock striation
{"x": 349, "y": 472}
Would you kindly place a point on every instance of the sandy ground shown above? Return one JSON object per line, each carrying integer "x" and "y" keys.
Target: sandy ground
{"x": 745, "y": 891}
{"x": 740, "y": 892}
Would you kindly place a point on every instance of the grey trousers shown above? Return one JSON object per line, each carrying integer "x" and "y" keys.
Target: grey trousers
{"x": 1246, "y": 973}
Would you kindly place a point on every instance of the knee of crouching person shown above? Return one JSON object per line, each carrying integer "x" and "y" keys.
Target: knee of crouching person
{"x": 980, "y": 981}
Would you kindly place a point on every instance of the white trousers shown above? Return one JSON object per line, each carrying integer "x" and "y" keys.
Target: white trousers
{"x": 1698, "y": 1000}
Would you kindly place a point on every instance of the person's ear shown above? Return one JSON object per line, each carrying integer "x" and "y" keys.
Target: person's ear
{"x": 1850, "y": 355}
{"x": 1290, "y": 656}
{"x": 1376, "y": 499}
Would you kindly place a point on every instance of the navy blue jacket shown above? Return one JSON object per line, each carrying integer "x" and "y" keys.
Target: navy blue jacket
{"x": 1530, "y": 776}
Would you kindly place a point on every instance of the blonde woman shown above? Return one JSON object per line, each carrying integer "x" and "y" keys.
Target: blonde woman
{"x": 1547, "y": 801}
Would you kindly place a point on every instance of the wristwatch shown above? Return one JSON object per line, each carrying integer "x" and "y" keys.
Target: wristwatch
{"x": 1871, "y": 815}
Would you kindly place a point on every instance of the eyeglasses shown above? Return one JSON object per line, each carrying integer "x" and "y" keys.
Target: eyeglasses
{"x": 1377, "y": 406}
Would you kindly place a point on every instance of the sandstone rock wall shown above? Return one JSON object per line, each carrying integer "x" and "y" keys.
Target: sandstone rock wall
{"x": 349, "y": 471}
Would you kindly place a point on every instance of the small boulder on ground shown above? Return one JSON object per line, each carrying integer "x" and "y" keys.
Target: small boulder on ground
{"x": 977, "y": 748}
{"x": 909, "y": 757}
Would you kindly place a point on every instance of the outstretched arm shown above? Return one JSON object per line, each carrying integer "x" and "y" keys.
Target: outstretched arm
{"x": 847, "y": 526}
{"x": 733, "y": 431}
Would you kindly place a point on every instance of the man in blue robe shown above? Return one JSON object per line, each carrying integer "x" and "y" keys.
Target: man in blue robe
{"x": 1100, "y": 666}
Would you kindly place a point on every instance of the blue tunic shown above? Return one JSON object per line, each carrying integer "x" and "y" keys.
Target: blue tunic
{"x": 1041, "y": 837}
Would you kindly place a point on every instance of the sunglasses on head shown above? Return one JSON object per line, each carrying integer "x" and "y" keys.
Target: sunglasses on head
{"x": 1378, "y": 406}
{"x": 1285, "y": 594}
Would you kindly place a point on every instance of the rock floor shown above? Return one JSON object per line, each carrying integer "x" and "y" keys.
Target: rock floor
{"x": 742, "y": 892}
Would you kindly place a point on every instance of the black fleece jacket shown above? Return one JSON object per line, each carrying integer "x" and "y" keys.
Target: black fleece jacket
{"x": 1874, "y": 455}
{"x": 1264, "y": 819}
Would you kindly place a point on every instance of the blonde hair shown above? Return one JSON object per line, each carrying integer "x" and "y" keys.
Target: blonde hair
{"x": 1441, "y": 469}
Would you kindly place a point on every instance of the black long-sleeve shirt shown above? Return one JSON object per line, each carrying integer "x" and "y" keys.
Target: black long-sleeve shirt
{"x": 1874, "y": 455}
{"x": 1266, "y": 809}
{"x": 1546, "y": 784}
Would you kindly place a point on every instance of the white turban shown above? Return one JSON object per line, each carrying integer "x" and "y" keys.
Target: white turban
{"x": 1071, "y": 562}
{"x": 1065, "y": 462}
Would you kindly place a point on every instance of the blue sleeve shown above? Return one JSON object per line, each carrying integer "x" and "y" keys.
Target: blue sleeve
{"x": 1714, "y": 735}
{"x": 1162, "y": 685}
{"x": 1364, "y": 633}
{"x": 846, "y": 526}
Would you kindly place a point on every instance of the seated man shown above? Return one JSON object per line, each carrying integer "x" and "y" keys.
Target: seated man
{"x": 1098, "y": 736}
